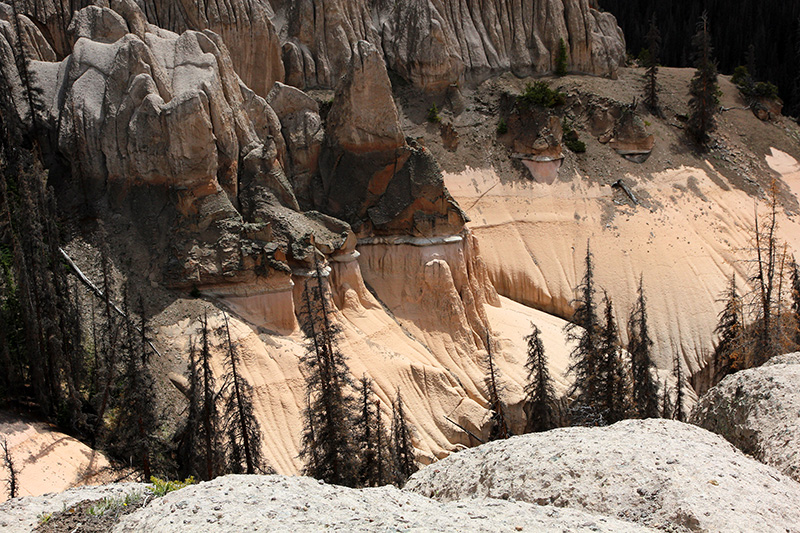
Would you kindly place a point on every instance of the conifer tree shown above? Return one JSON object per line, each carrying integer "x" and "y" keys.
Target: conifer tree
{"x": 703, "y": 88}
{"x": 328, "y": 443}
{"x": 209, "y": 413}
{"x": 667, "y": 409}
{"x": 241, "y": 426}
{"x": 651, "y": 74}
{"x": 561, "y": 58}
{"x": 677, "y": 371}
{"x": 136, "y": 420}
{"x": 645, "y": 389}
{"x": 540, "y": 395}
{"x": 403, "y": 455}
{"x": 373, "y": 441}
{"x": 586, "y": 356}
{"x": 189, "y": 455}
{"x": 499, "y": 426}
{"x": 12, "y": 483}
{"x": 615, "y": 404}
{"x": 729, "y": 353}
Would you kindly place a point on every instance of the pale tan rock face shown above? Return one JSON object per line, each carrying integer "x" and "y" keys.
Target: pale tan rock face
{"x": 431, "y": 42}
{"x": 363, "y": 117}
{"x": 244, "y": 26}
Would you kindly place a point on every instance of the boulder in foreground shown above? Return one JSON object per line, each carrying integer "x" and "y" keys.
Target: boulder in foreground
{"x": 659, "y": 473}
{"x": 758, "y": 410}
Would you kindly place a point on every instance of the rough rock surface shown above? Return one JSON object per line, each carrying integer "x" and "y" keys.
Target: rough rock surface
{"x": 270, "y": 503}
{"x": 430, "y": 42}
{"x": 244, "y": 25}
{"x": 757, "y": 410}
{"x": 237, "y": 503}
{"x": 370, "y": 177}
{"x": 23, "y": 514}
{"x": 659, "y": 473}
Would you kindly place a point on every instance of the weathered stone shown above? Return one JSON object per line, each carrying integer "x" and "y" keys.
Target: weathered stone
{"x": 757, "y": 410}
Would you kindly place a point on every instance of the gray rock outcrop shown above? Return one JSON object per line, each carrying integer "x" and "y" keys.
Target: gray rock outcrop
{"x": 370, "y": 177}
{"x": 658, "y": 473}
{"x": 757, "y": 410}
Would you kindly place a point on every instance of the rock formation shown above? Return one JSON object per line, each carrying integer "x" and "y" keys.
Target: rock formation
{"x": 430, "y": 43}
{"x": 370, "y": 177}
{"x": 269, "y": 503}
{"x": 756, "y": 409}
{"x": 658, "y": 473}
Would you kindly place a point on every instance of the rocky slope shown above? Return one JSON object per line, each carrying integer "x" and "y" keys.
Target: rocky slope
{"x": 662, "y": 474}
{"x": 756, "y": 410}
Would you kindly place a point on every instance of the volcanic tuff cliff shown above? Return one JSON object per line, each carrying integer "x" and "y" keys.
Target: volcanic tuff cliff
{"x": 168, "y": 124}
{"x": 182, "y": 126}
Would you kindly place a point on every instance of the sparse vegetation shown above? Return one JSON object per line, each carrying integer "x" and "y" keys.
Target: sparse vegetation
{"x": 539, "y": 94}
{"x": 502, "y": 127}
{"x": 433, "y": 115}
{"x": 162, "y": 487}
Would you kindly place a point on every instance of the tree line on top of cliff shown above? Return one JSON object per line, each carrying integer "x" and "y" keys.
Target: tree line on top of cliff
{"x": 772, "y": 27}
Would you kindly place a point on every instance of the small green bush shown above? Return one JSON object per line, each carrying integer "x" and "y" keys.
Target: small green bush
{"x": 740, "y": 75}
{"x": 161, "y": 487}
{"x": 540, "y": 94}
{"x": 502, "y": 127}
{"x": 765, "y": 89}
{"x": 576, "y": 146}
{"x": 433, "y": 114}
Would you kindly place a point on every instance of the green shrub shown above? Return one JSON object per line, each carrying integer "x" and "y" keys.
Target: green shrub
{"x": 502, "y": 127}
{"x": 433, "y": 114}
{"x": 575, "y": 145}
{"x": 765, "y": 89}
{"x": 540, "y": 94}
{"x": 162, "y": 487}
{"x": 740, "y": 75}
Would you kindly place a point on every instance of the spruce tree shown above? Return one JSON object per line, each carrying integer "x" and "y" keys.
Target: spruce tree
{"x": 403, "y": 455}
{"x": 328, "y": 443}
{"x": 12, "y": 482}
{"x": 703, "y": 88}
{"x": 209, "y": 433}
{"x": 645, "y": 389}
{"x": 372, "y": 438}
{"x": 499, "y": 426}
{"x": 189, "y": 454}
{"x": 561, "y": 58}
{"x": 540, "y": 395}
{"x": 614, "y": 402}
{"x": 677, "y": 372}
{"x": 586, "y": 357}
{"x": 729, "y": 354}
{"x": 795, "y": 301}
{"x": 240, "y": 424}
{"x": 651, "y": 74}
{"x": 134, "y": 402}
{"x": 667, "y": 409}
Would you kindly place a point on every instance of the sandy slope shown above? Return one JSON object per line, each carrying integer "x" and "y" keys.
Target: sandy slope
{"x": 47, "y": 460}
{"x": 424, "y": 340}
{"x": 695, "y": 234}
